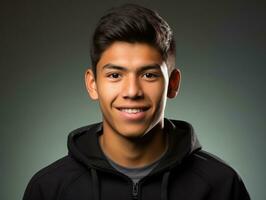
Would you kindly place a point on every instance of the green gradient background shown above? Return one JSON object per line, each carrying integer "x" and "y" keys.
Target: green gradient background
{"x": 44, "y": 53}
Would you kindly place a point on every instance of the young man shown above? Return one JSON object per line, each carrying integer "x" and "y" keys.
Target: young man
{"x": 135, "y": 153}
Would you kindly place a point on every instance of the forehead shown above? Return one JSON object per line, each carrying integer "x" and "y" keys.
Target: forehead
{"x": 131, "y": 55}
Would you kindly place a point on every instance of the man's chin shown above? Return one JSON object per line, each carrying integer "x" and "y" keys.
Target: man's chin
{"x": 137, "y": 135}
{"x": 133, "y": 135}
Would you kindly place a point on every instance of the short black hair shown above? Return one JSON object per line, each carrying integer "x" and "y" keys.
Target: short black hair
{"x": 133, "y": 23}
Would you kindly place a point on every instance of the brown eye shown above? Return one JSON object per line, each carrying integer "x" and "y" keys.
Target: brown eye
{"x": 150, "y": 75}
{"x": 114, "y": 75}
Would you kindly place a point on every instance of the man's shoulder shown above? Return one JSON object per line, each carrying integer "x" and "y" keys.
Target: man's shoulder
{"x": 211, "y": 168}
{"x": 62, "y": 170}
{"x": 210, "y": 161}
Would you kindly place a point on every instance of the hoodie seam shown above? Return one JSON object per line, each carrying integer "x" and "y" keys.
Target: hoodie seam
{"x": 214, "y": 159}
{"x": 230, "y": 170}
{"x": 202, "y": 177}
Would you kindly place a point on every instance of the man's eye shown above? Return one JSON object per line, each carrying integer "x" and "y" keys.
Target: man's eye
{"x": 114, "y": 75}
{"x": 150, "y": 75}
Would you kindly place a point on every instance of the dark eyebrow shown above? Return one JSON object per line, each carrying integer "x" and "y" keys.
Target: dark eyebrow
{"x": 111, "y": 66}
{"x": 154, "y": 66}
{"x": 143, "y": 68}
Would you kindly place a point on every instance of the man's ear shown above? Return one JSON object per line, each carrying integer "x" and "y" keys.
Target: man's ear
{"x": 174, "y": 83}
{"x": 91, "y": 86}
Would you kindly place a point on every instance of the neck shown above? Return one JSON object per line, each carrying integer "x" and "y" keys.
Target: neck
{"x": 136, "y": 152}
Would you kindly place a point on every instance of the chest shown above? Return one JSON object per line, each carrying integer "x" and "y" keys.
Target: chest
{"x": 110, "y": 186}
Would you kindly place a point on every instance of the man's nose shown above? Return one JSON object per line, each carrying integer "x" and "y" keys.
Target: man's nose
{"x": 132, "y": 88}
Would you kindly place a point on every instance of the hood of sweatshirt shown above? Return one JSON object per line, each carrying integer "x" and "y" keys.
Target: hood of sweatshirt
{"x": 83, "y": 145}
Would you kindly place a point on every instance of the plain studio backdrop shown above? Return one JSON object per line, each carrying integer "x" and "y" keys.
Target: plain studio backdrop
{"x": 45, "y": 52}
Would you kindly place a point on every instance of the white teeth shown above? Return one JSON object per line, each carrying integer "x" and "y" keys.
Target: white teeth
{"x": 131, "y": 110}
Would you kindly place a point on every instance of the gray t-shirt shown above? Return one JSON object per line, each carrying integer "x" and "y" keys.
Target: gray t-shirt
{"x": 136, "y": 173}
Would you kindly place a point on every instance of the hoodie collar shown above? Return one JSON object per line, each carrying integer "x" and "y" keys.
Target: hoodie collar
{"x": 182, "y": 142}
{"x": 83, "y": 145}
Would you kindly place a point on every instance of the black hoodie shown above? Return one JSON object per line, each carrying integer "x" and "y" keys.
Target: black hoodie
{"x": 184, "y": 173}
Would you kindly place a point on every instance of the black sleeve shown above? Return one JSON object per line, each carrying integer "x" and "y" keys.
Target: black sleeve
{"x": 33, "y": 191}
{"x": 238, "y": 189}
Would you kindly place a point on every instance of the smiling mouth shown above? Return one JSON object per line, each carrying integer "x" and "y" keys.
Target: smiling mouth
{"x": 133, "y": 110}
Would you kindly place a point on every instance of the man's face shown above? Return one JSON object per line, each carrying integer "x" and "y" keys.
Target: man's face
{"x": 131, "y": 87}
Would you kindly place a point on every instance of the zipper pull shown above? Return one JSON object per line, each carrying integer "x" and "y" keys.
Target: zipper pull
{"x": 135, "y": 190}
